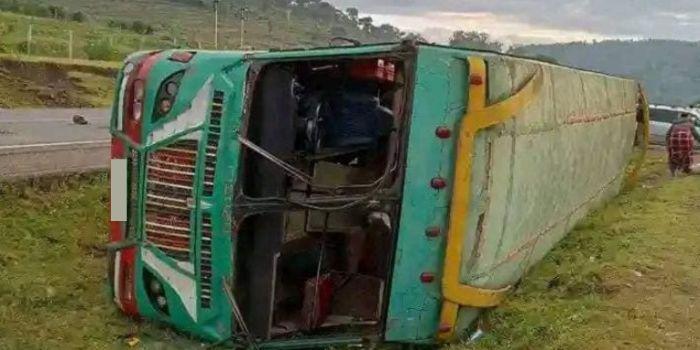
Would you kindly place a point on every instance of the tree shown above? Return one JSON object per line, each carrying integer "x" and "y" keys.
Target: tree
{"x": 413, "y": 36}
{"x": 475, "y": 40}
{"x": 100, "y": 49}
{"x": 366, "y": 23}
{"x": 57, "y": 12}
{"x": 323, "y": 11}
{"x": 353, "y": 13}
{"x": 387, "y": 32}
{"x": 307, "y": 3}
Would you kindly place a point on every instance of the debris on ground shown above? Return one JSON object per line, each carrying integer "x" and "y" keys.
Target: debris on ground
{"x": 79, "y": 120}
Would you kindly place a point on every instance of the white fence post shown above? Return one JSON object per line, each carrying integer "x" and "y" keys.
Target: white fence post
{"x": 29, "y": 39}
{"x": 242, "y": 32}
{"x": 70, "y": 45}
{"x": 216, "y": 24}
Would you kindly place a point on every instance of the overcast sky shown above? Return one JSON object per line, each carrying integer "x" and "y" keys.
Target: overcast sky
{"x": 539, "y": 21}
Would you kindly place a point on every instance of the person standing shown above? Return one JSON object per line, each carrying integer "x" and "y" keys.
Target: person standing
{"x": 680, "y": 142}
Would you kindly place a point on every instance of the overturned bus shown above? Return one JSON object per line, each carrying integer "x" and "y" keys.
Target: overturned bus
{"x": 346, "y": 195}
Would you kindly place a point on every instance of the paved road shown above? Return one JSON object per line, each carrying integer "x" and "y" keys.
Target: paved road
{"x": 36, "y": 142}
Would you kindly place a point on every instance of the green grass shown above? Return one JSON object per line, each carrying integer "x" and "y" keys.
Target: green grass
{"x": 99, "y": 89}
{"x": 626, "y": 278}
{"x": 53, "y": 293}
{"x": 52, "y": 267}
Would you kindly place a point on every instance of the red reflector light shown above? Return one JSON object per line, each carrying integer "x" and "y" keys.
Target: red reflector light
{"x": 126, "y": 295}
{"x": 182, "y": 56}
{"x": 443, "y": 132}
{"x": 476, "y": 80}
{"x": 438, "y": 183}
{"x": 432, "y": 232}
{"x": 117, "y": 149}
{"x": 427, "y": 277}
{"x": 445, "y": 328}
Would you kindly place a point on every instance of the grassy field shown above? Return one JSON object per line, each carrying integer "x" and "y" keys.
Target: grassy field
{"x": 50, "y": 38}
{"x": 45, "y": 82}
{"x": 53, "y": 293}
{"x": 192, "y": 23}
{"x": 627, "y": 278}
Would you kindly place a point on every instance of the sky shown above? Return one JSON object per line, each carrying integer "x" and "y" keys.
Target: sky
{"x": 539, "y": 21}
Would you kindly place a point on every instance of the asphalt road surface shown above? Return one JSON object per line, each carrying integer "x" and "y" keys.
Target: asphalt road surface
{"x": 35, "y": 142}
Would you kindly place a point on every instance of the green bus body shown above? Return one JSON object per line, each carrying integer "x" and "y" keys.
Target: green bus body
{"x": 530, "y": 178}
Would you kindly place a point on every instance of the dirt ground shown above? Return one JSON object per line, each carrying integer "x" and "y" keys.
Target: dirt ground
{"x": 53, "y": 84}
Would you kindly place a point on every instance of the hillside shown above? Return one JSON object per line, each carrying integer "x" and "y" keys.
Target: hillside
{"x": 190, "y": 23}
{"x": 50, "y": 38}
{"x": 669, "y": 70}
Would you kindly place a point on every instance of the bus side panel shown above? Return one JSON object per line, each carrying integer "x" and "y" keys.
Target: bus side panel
{"x": 535, "y": 176}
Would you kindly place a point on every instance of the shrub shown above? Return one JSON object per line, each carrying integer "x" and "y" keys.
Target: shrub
{"x": 117, "y": 24}
{"x": 78, "y": 17}
{"x": 57, "y": 12}
{"x": 33, "y": 9}
{"x": 142, "y": 28}
{"x": 9, "y": 5}
{"x": 100, "y": 49}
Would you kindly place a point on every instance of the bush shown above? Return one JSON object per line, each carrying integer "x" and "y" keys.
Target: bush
{"x": 117, "y": 24}
{"x": 142, "y": 28}
{"x": 78, "y": 17}
{"x": 33, "y": 9}
{"x": 100, "y": 49}
{"x": 9, "y": 6}
{"x": 7, "y": 48}
{"x": 57, "y": 12}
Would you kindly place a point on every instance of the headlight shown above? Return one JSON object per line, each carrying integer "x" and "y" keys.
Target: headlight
{"x": 137, "y": 105}
{"x": 156, "y": 287}
{"x": 171, "y": 88}
{"x": 167, "y": 93}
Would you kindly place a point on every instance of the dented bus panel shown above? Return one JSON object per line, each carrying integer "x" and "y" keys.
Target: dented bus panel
{"x": 382, "y": 193}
